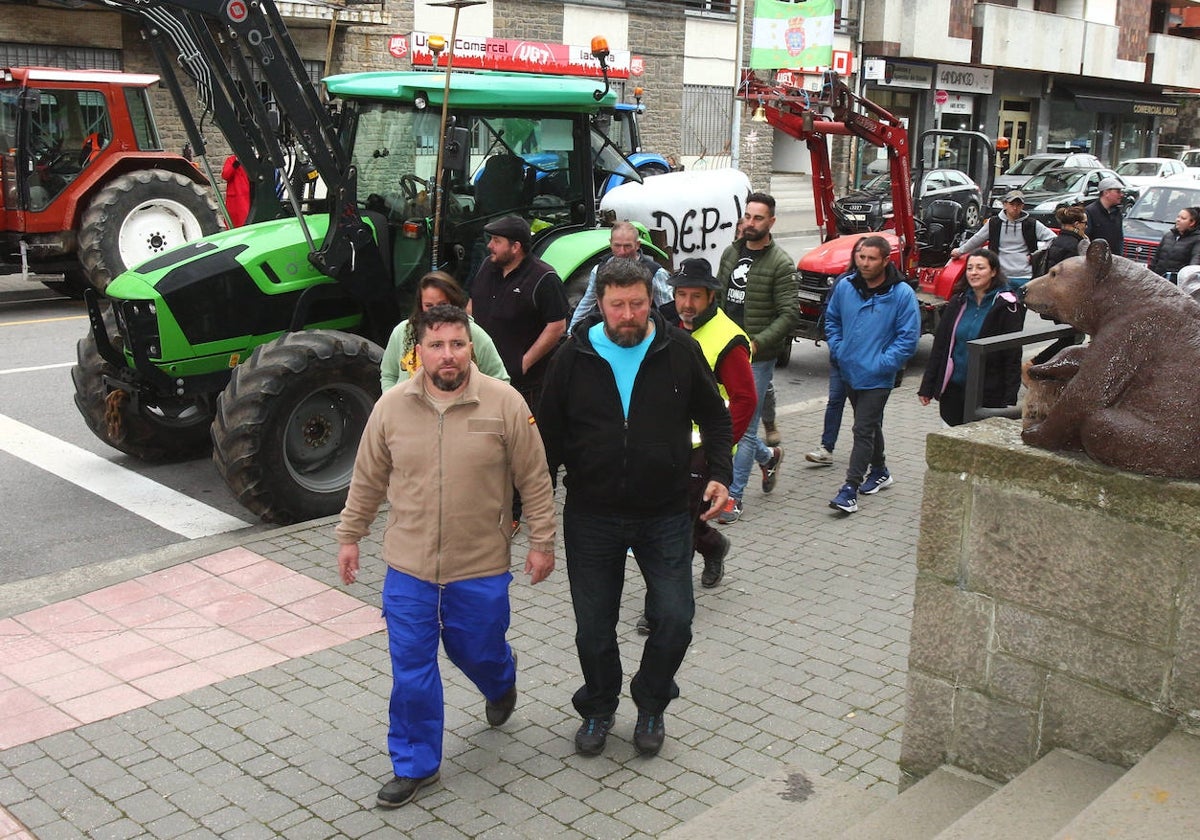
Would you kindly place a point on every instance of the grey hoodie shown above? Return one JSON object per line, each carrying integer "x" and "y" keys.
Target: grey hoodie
{"x": 1014, "y": 256}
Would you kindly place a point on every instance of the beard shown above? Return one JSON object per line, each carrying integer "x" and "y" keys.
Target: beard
{"x": 754, "y": 234}
{"x": 448, "y": 380}
{"x": 627, "y": 335}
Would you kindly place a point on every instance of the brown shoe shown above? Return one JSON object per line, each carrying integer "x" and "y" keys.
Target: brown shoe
{"x": 772, "y": 438}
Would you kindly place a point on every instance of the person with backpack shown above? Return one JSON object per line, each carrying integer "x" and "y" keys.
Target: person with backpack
{"x": 1012, "y": 235}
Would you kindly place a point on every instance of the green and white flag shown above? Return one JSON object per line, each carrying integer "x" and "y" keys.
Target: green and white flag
{"x": 792, "y": 33}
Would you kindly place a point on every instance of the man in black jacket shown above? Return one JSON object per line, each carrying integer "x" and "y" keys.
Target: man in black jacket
{"x": 1105, "y": 218}
{"x": 617, "y": 409}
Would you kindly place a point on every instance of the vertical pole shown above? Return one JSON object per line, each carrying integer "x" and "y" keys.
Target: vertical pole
{"x": 735, "y": 130}
{"x": 436, "y": 180}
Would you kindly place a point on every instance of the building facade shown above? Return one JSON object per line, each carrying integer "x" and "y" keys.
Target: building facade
{"x": 1103, "y": 76}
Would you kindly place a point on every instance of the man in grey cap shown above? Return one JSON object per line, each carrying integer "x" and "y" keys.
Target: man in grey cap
{"x": 1013, "y": 236}
{"x": 1106, "y": 218}
{"x": 519, "y": 301}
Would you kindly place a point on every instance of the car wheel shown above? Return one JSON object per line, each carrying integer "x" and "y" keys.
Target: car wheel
{"x": 972, "y": 219}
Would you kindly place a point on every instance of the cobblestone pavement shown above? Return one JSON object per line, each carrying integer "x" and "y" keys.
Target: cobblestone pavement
{"x": 799, "y": 657}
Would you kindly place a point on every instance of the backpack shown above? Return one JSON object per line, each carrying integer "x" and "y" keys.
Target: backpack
{"x": 1039, "y": 263}
{"x": 1028, "y": 231}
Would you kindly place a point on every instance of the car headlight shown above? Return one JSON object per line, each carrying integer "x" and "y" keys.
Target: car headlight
{"x": 1046, "y": 207}
{"x": 885, "y": 208}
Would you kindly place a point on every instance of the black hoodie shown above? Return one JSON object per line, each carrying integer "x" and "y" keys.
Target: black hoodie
{"x": 638, "y": 466}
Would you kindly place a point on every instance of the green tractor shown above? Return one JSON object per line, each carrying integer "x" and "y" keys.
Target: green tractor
{"x": 263, "y": 342}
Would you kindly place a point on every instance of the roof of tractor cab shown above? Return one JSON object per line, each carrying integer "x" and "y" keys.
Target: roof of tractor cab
{"x": 33, "y": 75}
{"x": 477, "y": 90}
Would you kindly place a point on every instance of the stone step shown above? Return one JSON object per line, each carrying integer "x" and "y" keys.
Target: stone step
{"x": 926, "y": 808}
{"x": 1158, "y": 798}
{"x": 788, "y": 803}
{"x": 1039, "y": 802}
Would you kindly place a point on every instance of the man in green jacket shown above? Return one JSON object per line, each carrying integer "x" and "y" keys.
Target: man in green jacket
{"x": 759, "y": 293}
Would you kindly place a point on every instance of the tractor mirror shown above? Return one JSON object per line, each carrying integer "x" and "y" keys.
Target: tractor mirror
{"x": 457, "y": 148}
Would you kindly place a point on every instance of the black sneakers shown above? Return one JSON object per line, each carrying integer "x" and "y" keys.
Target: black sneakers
{"x": 714, "y": 566}
{"x": 593, "y": 735}
{"x": 401, "y": 790}
{"x": 770, "y": 470}
{"x": 649, "y": 733}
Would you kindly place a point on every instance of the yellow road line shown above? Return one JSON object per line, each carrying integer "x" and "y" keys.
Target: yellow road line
{"x": 43, "y": 320}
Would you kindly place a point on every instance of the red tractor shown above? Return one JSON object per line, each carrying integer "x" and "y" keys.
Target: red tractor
{"x": 921, "y": 243}
{"x": 88, "y": 190}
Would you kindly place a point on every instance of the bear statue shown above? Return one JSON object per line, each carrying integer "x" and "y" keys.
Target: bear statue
{"x": 1129, "y": 398}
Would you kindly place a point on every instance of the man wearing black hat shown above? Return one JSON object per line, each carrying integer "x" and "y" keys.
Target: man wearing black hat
{"x": 727, "y": 350}
{"x": 519, "y": 301}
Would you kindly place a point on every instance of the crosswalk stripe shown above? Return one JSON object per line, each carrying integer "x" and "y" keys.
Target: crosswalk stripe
{"x": 37, "y": 368}
{"x": 148, "y": 499}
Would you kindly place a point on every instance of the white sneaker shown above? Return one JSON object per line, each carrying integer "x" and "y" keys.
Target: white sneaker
{"x": 821, "y": 456}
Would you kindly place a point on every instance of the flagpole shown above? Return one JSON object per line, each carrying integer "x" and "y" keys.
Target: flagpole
{"x": 735, "y": 139}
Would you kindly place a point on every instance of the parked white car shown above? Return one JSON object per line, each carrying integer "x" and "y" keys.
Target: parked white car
{"x": 1191, "y": 161}
{"x": 1142, "y": 172}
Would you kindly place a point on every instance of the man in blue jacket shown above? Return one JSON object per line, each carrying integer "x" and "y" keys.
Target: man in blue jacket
{"x": 872, "y": 325}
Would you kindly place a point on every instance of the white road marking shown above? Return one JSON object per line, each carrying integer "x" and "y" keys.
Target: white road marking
{"x": 37, "y": 368}
{"x": 148, "y": 499}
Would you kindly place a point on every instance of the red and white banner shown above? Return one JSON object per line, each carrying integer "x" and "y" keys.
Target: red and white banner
{"x": 520, "y": 56}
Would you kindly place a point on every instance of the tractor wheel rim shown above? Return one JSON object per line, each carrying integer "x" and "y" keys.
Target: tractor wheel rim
{"x": 321, "y": 437}
{"x": 153, "y": 227}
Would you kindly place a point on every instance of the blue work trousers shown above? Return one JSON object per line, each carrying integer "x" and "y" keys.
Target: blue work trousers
{"x": 471, "y": 618}
{"x": 750, "y": 448}
{"x": 596, "y": 552}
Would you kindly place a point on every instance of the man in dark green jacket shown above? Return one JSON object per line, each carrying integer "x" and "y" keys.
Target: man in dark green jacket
{"x": 759, "y": 293}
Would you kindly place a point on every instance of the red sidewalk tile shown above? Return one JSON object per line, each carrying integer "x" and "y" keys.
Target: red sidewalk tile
{"x": 54, "y": 616}
{"x": 74, "y": 684}
{"x": 119, "y": 595}
{"x": 109, "y": 702}
{"x": 145, "y": 662}
{"x": 161, "y": 635}
{"x": 176, "y": 681}
{"x": 11, "y": 829}
{"x": 34, "y": 724}
{"x": 226, "y": 561}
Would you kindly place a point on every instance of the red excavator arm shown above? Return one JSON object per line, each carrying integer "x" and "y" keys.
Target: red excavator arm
{"x": 813, "y": 117}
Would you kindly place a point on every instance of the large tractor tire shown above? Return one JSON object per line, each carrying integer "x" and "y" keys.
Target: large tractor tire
{"x": 167, "y": 431}
{"x": 138, "y": 216}
{"x": 287, "y": 426}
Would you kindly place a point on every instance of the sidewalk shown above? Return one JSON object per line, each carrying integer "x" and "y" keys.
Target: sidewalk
{"x": 238, "y": 691}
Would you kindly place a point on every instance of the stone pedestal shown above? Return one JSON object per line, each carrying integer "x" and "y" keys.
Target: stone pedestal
{"x": 1057, "y": 605}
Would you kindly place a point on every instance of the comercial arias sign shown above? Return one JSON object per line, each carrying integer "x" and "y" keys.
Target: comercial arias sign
{"x": 475, "y": 53}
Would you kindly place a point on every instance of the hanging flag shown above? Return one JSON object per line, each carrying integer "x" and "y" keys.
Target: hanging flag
{"x": 792, "y": 33}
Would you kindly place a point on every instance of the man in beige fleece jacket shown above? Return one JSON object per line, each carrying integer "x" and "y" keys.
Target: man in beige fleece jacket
{"x": 445, "y": 449}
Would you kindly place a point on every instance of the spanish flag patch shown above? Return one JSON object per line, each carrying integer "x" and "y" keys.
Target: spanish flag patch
{"x": 532, "y": 421}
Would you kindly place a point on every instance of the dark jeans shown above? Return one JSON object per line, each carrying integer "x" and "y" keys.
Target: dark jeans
{"x": 532, "y": 392}
{"x": 835, "y": 406}
{"x": 596, "y": 551}
{"x": 867, "y": 452}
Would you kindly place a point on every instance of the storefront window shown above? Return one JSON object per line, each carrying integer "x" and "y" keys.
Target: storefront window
{"x": 1071, "y": 130}
{"x": 873, "y": 160}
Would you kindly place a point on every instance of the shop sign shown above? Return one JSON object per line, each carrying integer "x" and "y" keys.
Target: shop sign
{"x": 966, "y": 79}
{"x": 958, "y": 104}
{"x": 478, "y": 53}
{"x": 896, "y": 74}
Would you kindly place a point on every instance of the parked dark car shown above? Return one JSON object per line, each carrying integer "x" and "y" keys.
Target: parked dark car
{"x": 1031, "y": 165}
{"x": 1055, "y": 188}
{"x": 1153, "y": 214}
{"x": 870, "y": 207}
